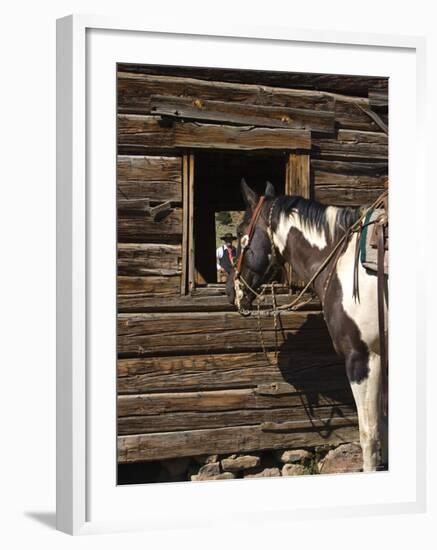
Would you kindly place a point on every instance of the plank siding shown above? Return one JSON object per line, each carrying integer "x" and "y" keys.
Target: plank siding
{"x": 188, "y": 420}
{"x": 352, "y": 145}
{"x": 136, "y": 90}
{"x": 226, "y": 370}
{"x": 148, "y": 333}
{"x": 139, "y": 133}
{"x": 131, "y": 290}
{"x": 139, "y": 260}
{"x": 138, "y": 228}
{"x": 156, "y": 446}
{"x": 243, "y": 114}
{"x": 192, "y": 375}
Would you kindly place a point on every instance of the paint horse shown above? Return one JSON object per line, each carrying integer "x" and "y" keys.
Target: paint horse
{"x": 303, "y": 233}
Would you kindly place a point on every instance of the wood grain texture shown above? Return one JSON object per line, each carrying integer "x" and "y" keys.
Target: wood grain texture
{"x": 222, "y": 400}
{"x": 299, "y": 175}
{"x": 148, "y": 333}
{"x": 214, "y": 300}
{"x": 347, "y": 183}
{"x": 143, "y": 447}
{"x": 344, "y": 84}
{"x": 353, "y": 145}
{"x": 149, "y": 168}
{"x": 227, "y": 112}
{"x": 157, "y": 178}
{"x": 346, "y": 195}
{"x": 189, "y": 420}
{"x": 349, "y": 116}
{"x": 139, "y": 260}
{"x": 132, "y": 290}
{"x": 226, "y": 370}
{"x": 141, "y": 229}
{"x": 352, "y": 168}
{"x": 139, "y": 133}
{"x": 136, "y": 90}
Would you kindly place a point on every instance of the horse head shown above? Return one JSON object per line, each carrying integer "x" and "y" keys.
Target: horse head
{"x": 255, "y": 250}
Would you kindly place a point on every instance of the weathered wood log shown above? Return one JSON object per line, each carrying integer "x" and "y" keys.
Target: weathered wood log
{"x": 352, "y": 145}
{"x": 331, "y": 179}
{"x": 348, "y": 115}
{"x": 226, "y": 400}
{"x": 214, "y": 300}
{"x": 188, "y": 420}
{"x": 378, "y": 99}
{"x": 148, "y": 333}
{"x": 227, "y": 112}
{"x": 138, "y": 260}
{"x": 134, "y": 289}
{"x": 133, "y": 448}
{"x": 347, "y": 84}
{"x": 343, "y": 168}
{"x": 347, "y": 189}
{"x": 139, "y": 228}
{"x": 156, "y": 178}
{"x": 138, "y": 133}
{"x": 346, "y": 195}
{"x": 135, "y": 92}
{"x": 230, "y": 370}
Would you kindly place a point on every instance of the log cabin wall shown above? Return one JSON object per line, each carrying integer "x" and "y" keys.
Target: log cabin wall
{"x": 193, "y": 377}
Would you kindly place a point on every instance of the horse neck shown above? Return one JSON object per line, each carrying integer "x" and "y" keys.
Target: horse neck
{"x": 305, "y": 247}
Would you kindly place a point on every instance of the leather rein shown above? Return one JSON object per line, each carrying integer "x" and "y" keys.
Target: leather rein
{"x": 335, "y": 253}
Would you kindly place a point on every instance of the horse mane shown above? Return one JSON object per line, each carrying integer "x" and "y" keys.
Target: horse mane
{"x": 314, "y": 214}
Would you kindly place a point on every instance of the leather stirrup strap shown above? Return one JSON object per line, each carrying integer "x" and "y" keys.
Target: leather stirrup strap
{"x": 381, "y": 321}
{"x": 355, "y": 288}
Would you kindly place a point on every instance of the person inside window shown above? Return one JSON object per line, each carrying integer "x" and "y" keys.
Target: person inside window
{"x": 226, "y": 254}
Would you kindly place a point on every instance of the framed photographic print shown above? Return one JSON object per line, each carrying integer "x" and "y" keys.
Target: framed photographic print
{"x": 223, "y": 264}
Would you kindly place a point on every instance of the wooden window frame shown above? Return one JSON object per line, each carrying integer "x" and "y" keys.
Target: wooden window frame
{"x": 297, "y": 182}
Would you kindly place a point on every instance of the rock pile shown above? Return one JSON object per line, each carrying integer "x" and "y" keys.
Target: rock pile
{"x": 260, "y": 464}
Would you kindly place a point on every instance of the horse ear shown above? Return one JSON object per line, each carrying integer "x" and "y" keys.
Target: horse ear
{"x": 270, "y": 192}
{"x": 249, "y": 196}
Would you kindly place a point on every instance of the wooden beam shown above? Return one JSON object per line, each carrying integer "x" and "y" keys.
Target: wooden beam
{"x": 298, "y": 170}
{"x": 347, "y": 84}
{"x": 149, "y": 168}
{"x": 139, "y": 260}
{"x": 226, "y": 400}
{"x": 132, "y": 290}
{"x": 192, "y": 420}
{"x": 227, "y": 370}
{"x": 136, "y": 90}
{"x": 137, "y": 133}
{"x": 352, "y": 145}
{"x": 210, "y": 300}
{"x": 347, "y": 195}
{"x": 148, "y": 334}
{"x": 190, "y": 253}
{"x": 297, "y": 183}
{"x": 138, "y": 228}
{"x": 185, "y": 225}
{"x": 132, "y": 448}
{"x": 227, "y": 112}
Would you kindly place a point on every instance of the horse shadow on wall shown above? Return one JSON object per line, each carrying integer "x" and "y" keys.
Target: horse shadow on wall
{"x": 308, "y": 362}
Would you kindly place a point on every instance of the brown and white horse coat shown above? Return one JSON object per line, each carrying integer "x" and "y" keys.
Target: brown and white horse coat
{"x": 304, "y": 232}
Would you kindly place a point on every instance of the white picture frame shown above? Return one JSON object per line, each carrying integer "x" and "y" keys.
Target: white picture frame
{"x": 76, "y": 393}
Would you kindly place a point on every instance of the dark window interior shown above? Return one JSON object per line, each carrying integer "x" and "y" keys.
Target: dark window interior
{"x": 217, "y": 178}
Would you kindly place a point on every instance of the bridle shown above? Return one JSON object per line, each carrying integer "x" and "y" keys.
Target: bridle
{"x": 245, "y": 239}
{"x": 245, "y": 242}
{"x": 297, "y": 303}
